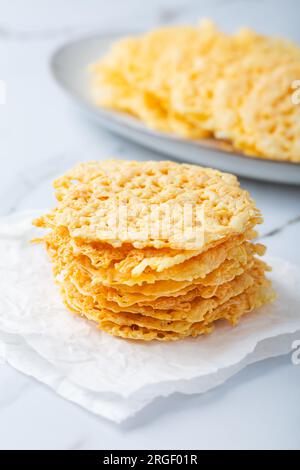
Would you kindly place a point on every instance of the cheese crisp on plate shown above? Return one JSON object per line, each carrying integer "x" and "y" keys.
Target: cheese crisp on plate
{"x": 198, "y": 82}
{"x": 155, "y": 250}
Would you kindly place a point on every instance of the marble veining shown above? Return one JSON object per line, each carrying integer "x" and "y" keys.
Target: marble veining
{"x": 278, "y": 230}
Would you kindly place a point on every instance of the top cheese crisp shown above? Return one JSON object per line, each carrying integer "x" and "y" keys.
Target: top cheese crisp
{"x": 151, "y": 204}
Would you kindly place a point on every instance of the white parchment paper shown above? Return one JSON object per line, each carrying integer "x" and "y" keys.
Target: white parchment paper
{"x": 109, "y": 376}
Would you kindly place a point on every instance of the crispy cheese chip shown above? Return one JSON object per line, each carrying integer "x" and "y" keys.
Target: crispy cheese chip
{"x": 156, "y": 287}
{"x": 199, "y": 82}
{"x": 231, "y": 311}
{"x": 151, "y": 204}
{"x": 110, "y": 298}
{"x": 186, "y": 312}
{"x": 191, "y": 270}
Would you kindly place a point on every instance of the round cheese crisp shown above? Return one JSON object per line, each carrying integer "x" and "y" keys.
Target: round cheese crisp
{"x": 272, "y": 129}
{"x": 199, "y": 82}
{"x": 252, "y": 103}
{"x": 190, "y": 310}
{"x": 232, "y": 311}
{"x": 151, "y": 204}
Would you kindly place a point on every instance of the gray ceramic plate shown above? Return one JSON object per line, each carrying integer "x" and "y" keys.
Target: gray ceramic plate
{"x": 69, "y": 67}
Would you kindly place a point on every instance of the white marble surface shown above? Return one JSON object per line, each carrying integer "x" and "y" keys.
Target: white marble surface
{"x": 41, "y": 135}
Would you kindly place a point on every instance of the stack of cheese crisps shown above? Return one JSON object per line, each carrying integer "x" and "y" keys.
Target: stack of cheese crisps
{"x": 199, "y": 82}
{"x": 155, "y": 250}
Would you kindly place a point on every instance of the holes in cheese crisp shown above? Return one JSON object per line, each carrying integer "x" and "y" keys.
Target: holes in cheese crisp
{"x": 204, "y": 83}
{"x": 128, "y": 189}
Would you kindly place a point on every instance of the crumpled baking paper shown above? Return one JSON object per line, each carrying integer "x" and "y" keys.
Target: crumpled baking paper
{"x": 109, "y": 376}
